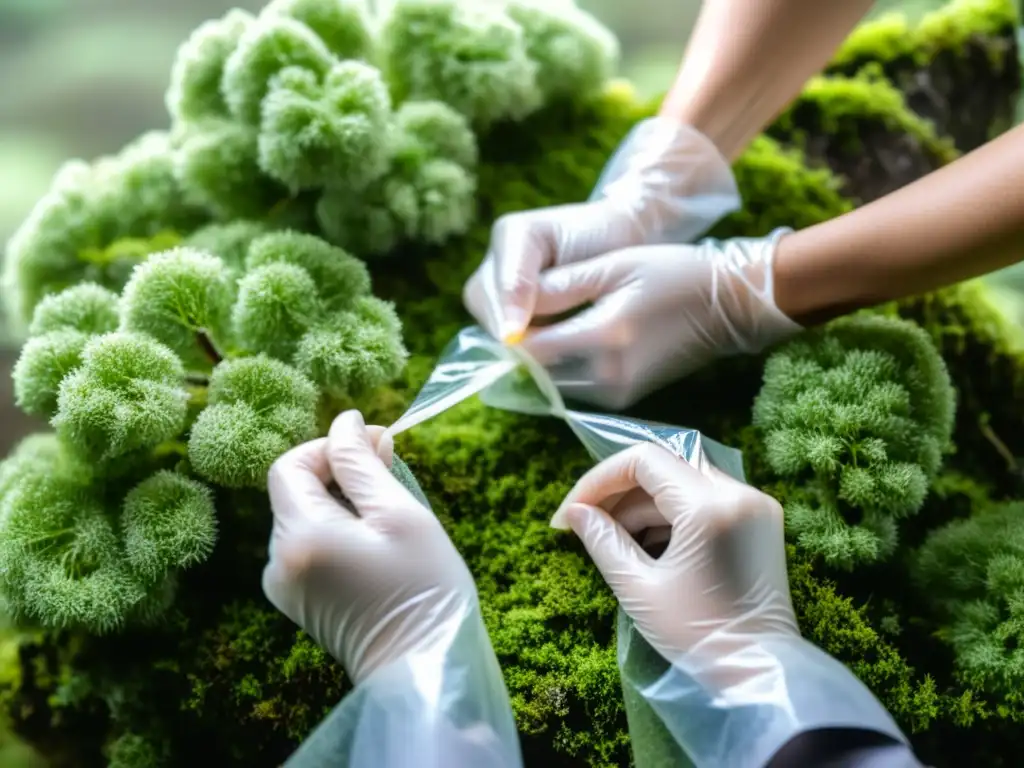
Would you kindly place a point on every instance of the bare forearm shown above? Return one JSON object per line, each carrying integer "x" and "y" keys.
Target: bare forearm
{"x": 963, "y": 221}
{"x": 748, "y": 59}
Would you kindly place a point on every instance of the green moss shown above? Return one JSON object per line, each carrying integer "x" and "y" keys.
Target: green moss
{"x": 842, "y": 107}
{"x": 951, "y": 28}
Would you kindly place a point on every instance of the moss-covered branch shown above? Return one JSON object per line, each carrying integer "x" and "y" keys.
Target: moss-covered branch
{"x": 958, "y": 67}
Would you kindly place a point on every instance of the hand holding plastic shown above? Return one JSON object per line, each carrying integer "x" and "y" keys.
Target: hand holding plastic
{"x": 721, "y": 583}
{"x": 657, "y": 313}
{"x": 371, "y": 575}
{"x": 665, "y": 183}
{"x": 372, "y": 578}
{"x": 740, "y": 681}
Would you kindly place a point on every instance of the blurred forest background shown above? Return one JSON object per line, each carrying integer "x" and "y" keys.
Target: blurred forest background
{"x": 80, "y": 78}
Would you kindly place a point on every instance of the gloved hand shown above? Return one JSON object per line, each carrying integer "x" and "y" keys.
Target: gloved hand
{"x": 658, "y": 313}
{"x": 371, "y": 579}
{"x": 741, "y": 682}
{"x": 665, "y": 183}
{"x": 719, "y": 589}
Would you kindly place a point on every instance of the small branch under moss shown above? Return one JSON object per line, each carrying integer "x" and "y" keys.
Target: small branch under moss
{"x": 208, "y": 347}
{"x": 989, "y": 434}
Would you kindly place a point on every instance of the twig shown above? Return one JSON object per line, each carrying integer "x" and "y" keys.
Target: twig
{"x": 999, "y": 445}
{"x": 208, "y": 347}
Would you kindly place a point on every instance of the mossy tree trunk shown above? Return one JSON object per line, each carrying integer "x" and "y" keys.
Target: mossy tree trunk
{"x": 897, "y": 102}
{"x": 965, "y": 84}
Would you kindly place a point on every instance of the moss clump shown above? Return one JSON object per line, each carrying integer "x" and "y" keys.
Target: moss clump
{"x": 954, "y": 27}
{"x": 841, "y": 107}
{"x": 857, "y": 416}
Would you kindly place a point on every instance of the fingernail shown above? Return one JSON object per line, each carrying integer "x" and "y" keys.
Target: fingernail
{"x": 564, "y": 518}
{"x": 513, "y": 337}
{"x": 513, "y": 325}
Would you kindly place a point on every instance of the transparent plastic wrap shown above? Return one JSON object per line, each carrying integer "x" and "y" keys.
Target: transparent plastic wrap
{"x": 445, "y": 706}
{"x": 789, "y": 687}
{"x": 505, "y": 377}
{"x": 448, "y": 705}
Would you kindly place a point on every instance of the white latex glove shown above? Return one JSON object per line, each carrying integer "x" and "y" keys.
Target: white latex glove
{"x": 658, "y": 313}
{"x": 741, "y": 682}
{"x": 665, "y": 183}
{"x": 719, "y": 588}
{"x": 371, "y": 581}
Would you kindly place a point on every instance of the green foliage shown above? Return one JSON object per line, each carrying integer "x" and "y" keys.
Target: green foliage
{"x": 168, "y": 522}
{"x": 229, "y": 242}
{"x": 287, "y": 110}
{"x": 87, "y": 307}
{"x": 128, "y": 394}
{"x": 183, "y": 299}
{"x": 575, "y": 54}
{"x": 345, "y": 26}
{"x": 216, "y": 163}
{"x": 97, "y": 221}
{"x": 150, "y": 392}
{"x": 469, "y": 55}
{"x": 315, "y": 133}
{"x": 63, "y": 562}
{"x": 972, "y": 571}
{"x": 194, "y": 92}
{"x": 307, "y": 303}
{"x": 44, "y": 362}
{"x": 131, "y": 750}
{"x": 839, "y": 107}
{"x": 268, "y": 46}
{"x": 427, "y": 193}
{"x": 948, "y": 29}
{"x": 202, "y": 669}
{"x": 859, "y": 415}
{"x": 258, "y": 409}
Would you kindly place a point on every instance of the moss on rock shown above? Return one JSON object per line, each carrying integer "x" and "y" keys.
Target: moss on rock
{"x": 862, "y": 129}
{"x": 957, "y": 67}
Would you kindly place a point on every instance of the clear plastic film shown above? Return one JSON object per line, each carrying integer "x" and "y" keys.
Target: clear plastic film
{"x": 505, "y": 377}
{"x": 673, "y": 719}
{"x": 443, "y": 706}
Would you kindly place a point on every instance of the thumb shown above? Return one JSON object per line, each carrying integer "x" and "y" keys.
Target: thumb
{"x": 617, "y": 556}
{"x": 359, "y": 470}
{"x": 520, "y": 249}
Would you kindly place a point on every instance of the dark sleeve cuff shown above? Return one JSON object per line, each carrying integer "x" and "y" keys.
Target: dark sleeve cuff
{"x": 845, "y": 748}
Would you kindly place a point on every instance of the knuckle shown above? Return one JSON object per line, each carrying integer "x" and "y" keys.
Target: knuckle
{"x": 519, "y": 285}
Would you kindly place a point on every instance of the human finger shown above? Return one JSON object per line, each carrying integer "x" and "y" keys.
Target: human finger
{"x": 521, "y": 246}
{"x": 647, "y": 466}
{"x": 617, "y": 556}
{"x": 635, "y": 511}
{"x": 383, "y": 443}
{"x": 575, "y": 337}
{"x": 360, "y": 473}
{"x": 572, "y": 285}
{"x": 298, "y": 477}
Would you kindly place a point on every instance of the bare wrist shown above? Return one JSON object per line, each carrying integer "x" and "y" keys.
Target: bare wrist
{"x": 809, "y": 289}
{"x": 692, "y": 107}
